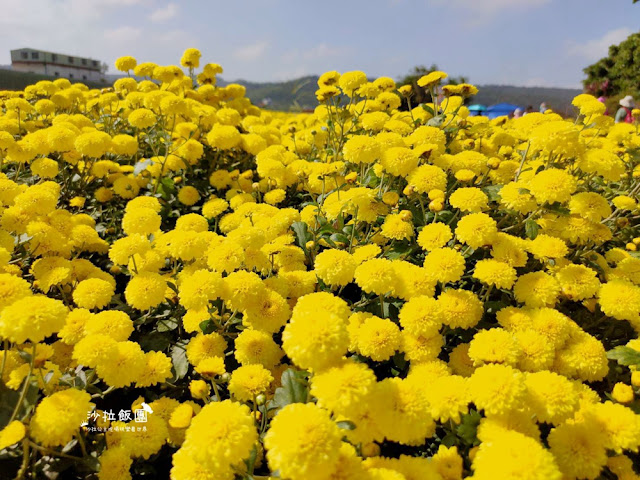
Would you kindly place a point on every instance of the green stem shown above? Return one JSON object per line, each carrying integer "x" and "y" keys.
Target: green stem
{"x": 215, "y": 390}
{"x": 23, "y": 392}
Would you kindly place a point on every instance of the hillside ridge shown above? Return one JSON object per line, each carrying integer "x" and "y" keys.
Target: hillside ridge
{"x": 299, "y": 94}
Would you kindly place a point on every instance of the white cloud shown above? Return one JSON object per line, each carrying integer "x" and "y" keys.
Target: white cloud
{"x": 164, "y": 14}
{"x": 321, "y": 51}
{"x": 123, "y": 35}
{"x": 252, "y": 51}
{"x": 598, "y": 47}
{"x": 115, "y": 27}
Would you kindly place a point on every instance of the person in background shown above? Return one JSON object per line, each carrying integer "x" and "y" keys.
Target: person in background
{"x": 517, "y": 113}
{"x": 624, "y": 112}
{"x": 543, "y": 107}
{"x": 529, "y": 109}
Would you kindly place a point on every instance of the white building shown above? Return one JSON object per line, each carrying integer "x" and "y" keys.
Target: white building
{"x": 56, "y": 65}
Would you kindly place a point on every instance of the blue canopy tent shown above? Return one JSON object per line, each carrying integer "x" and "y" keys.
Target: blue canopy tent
{"x": 501, "y": 109}
{"x": 476, "y": 109}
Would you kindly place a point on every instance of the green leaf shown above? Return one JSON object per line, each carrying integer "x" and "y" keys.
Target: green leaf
{"x": 559, "y": 209}
{"x": 400, "y": 250}
{"x": 251, "y": 461}
{"x": 400, "y": 361}
{"x": 154, "y": 341}
{"x": 435, "y": 121}
{"x": 167, "y": 325}
{"x": 494, "y": 306}
{"x": 428, "y": 109}
{"x": 492, "y": 192}
{"x": 624, "y": 356}
{"x": 346, "y": 425}
{"x": 339, "y": 238}
{"x": 179, "y": 359}
{"x": 449, "y": 440}
{"x": 8, "y": 400}
{"x": 302, "y": 233}
{"x": 293, "y": 390}
{"x": 468, "y": 428}
{"x": 531, "y": 229}
{"x": 166, "y": 188}
{"x": 207, "y": 326}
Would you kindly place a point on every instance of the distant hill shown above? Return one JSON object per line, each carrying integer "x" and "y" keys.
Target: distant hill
{"x": 299, "y": 94}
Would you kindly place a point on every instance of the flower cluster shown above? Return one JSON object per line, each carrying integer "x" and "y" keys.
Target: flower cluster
{"x": 375, "y": 290}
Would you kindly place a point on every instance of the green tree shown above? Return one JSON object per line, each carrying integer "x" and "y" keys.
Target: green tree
{"x": 421, "y": 95}
{"x": 617, "y": 74}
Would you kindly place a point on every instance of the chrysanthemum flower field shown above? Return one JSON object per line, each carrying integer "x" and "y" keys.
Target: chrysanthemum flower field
{"x": 197, "y": 289}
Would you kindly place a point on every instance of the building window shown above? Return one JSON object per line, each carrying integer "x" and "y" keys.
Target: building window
{"x": 84, "y": 61}
{"x": 70, "y": 59}
{"x": 24, "y": 55}
{"x": 54, "y": 57}
{"x": 34, "y": 55}
{"x": 95, "y": 63}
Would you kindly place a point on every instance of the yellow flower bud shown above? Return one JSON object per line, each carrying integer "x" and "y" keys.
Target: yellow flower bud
{"x": 371, "y": 450}
{"x": 310, "y": 245}
{"x": 181, "y": 416}
{"x": 408, "y": 190}
{"x": 622, "y": 393}
{"x": 465, "y": 175}
{"x": 436, "y": 205}
{"x": 631, "y": 247}
{"x": 493, "y": 163}
{"x": 199, "y": 389}
{"x": 436, "y": 194}
{"x": 590, "y": 304}
{"x": 406, "y": 215}
{"x": 390, "y": 198}
{"x": 351, "y": 177}
{"x": 406, "y": 90}
{"x": 635, "y": 379}
{"x": 622, "y": 222}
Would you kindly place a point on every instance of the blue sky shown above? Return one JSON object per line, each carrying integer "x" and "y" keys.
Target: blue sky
{"x": 518, "y": 42}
